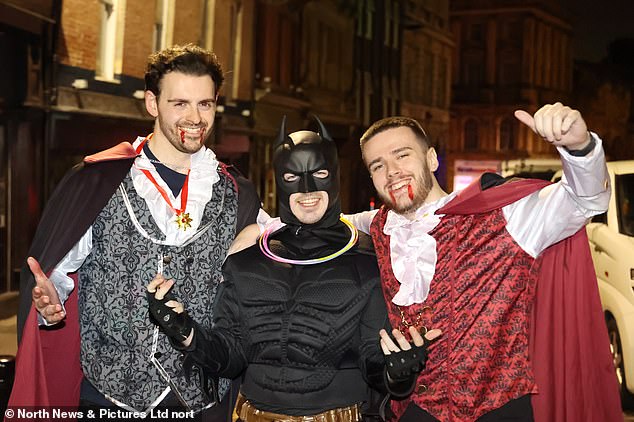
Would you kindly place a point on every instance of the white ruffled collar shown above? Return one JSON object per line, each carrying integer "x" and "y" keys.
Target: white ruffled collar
{"x": 413, "y": 251}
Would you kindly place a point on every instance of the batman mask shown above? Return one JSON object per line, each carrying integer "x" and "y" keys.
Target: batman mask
{"x": 303, "y": 154}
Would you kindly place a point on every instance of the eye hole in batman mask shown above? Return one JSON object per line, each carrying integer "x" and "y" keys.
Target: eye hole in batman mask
{"x": 319, "y": 174}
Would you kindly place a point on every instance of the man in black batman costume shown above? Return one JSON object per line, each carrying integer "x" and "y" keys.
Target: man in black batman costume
{"x": 298, "y": 314}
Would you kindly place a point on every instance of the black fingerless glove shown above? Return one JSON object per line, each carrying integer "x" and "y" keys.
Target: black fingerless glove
{"x": 402, "y": 365}
{"x": 176, "y": 326}
{"x": 402, "y": 369}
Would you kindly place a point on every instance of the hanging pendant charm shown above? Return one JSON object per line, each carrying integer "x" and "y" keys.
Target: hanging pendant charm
{"x": 183, "y": 220}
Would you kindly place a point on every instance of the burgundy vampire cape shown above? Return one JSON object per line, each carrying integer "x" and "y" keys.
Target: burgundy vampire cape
{"x": 569, "y": 345}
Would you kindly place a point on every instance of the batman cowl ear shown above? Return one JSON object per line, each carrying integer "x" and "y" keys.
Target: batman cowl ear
{"x": 322, "y": 129}
{"x": 282, "y": 137}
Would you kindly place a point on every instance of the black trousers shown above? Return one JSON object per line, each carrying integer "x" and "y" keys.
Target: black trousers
{"x": 518, "y": 410}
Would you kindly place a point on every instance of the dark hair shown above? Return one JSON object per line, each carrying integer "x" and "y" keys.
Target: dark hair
{"x": 189, "y": 59}
{"x": 392, "y": 123}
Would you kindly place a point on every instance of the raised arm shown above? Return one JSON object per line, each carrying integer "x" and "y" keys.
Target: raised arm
{"x": 561, "y": 209}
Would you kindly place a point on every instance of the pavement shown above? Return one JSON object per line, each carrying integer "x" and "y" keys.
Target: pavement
{"x": 8, "y": 327}
{"x": 8, "y": 338}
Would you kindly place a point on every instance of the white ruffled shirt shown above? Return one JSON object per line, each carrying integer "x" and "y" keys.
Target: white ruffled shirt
{"x": 203, "y": 175}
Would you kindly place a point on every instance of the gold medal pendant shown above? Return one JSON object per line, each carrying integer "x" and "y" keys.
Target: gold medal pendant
{"x": 183, "y": 220}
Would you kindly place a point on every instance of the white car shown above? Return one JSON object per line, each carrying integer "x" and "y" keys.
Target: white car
{"x": 611, "y": 237}
{"x": 533, "y": 168}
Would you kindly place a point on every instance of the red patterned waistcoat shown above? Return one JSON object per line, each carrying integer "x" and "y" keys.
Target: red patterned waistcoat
{"x": 481, "y": 298}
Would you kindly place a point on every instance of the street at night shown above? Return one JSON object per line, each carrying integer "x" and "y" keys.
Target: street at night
{"x": 137, "y": 139}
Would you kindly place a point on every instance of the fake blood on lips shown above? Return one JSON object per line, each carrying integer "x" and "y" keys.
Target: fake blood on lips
{"x": 410, "y": 193}
{"x": 202, "y": 136}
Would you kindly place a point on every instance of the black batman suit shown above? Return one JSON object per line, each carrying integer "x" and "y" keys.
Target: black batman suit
{"x": 305, "y": 337}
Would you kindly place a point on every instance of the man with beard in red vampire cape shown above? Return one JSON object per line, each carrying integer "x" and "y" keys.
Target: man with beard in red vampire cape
{"x": 163, "y": 203}
{"x": 503, "y": 269}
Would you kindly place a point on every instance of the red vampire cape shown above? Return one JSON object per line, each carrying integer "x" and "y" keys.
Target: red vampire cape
{"x": 48, "y": 370}
{"x": 569, "y": 346}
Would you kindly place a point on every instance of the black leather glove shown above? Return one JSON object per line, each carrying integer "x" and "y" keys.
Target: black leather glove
{"x": 176, "y": 326}
{"x": 402, "y": 365}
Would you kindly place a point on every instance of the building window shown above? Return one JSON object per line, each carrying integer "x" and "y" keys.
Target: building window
{"x": 474, "y": 68}
{"x": 428, "y": 78}
{"x": 476, "y": 32}
{"x": 507, "y": 134}
{"x": 396, "y": 20}
{"x": 109, "y": 57}
{"x": 392, "y": 23}
{"x": 471, "y": 140}
{"x": 413, "y": 81}
{"x": 330, "y": 61}
{"x": 163, "y": 24}
{"x": 235, "y": 47}
{"x": 511, "y": 31}
{"x": 441, "y": 83}
{"x": 388, "y": 23}
{"x": 365, "y": 11}
{"x": 509, "y": 68}
{"x": 278, "y": 48}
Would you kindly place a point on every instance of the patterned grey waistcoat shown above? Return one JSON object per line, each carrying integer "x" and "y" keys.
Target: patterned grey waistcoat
{"x": 116, "y": 333}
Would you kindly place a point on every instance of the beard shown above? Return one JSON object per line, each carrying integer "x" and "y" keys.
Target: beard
{"x": 420, "y": 187}
{"x": 182, "y": 141}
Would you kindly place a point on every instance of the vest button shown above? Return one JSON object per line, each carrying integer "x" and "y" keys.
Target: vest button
{"x": 189, "y": 260}
{"x": 167, "y": 259}
{"x": 421, "y": 389}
